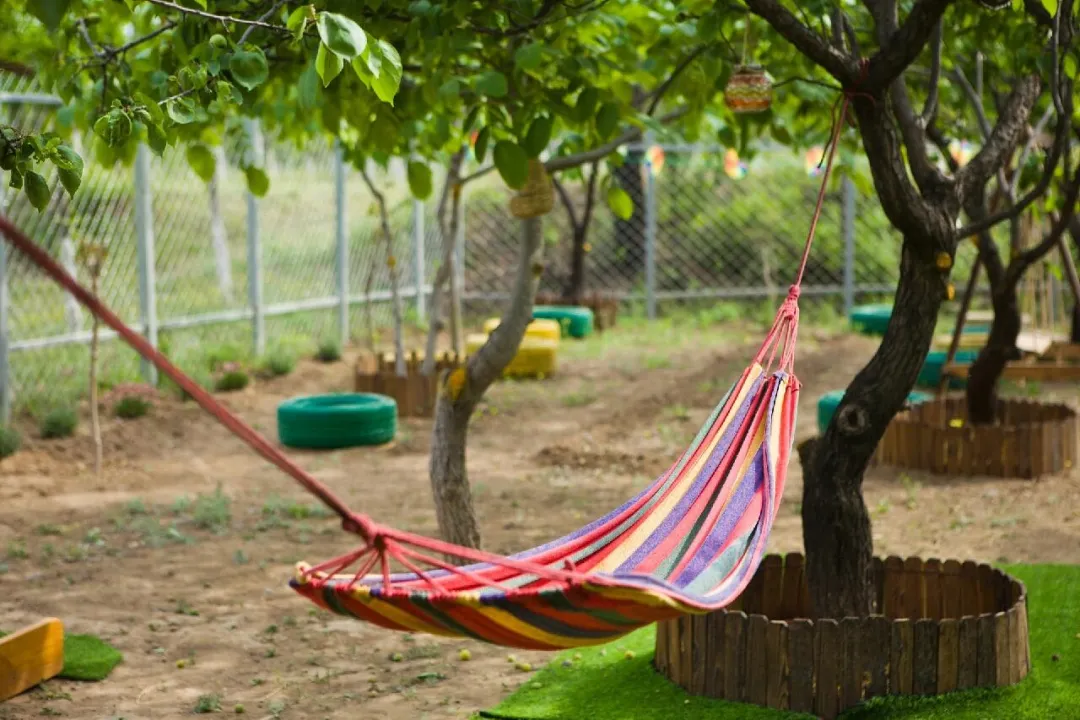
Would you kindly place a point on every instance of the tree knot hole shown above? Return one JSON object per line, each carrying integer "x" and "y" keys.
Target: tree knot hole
{"x": 852, "y": 420}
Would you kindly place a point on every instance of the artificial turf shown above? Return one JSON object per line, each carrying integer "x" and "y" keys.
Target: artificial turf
{"x": 607, "y": 683}
{"x": 87, "y": 658}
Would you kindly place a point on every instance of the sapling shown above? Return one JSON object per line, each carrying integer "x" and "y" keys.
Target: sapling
{"x": 92, "y": 256}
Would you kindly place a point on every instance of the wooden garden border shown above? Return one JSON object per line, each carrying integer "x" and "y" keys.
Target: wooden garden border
{"x": 1033, "y": 439}
{"x": 415, "y": 394}
{"x": 943, "y": 626}
{"x": 605, "y": 307}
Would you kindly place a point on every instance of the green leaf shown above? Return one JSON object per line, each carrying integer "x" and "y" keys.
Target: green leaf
{"x": 529, "y": 57}
{"x": 16, "y": 180}
{"x": 492, "y": 84}
{"x": 307, "y": 87}
{"x": 70, "y": 179}
{"x": 1051, "y": 6}
{"x": 450, "y": 89}
{"x": 341, "y": 35}
{"x": 512, "y": 163}
{"x": 258, "y": 181}
{"x": 181, "y": 110}
{"x": 607, "y": 118}
{"x": 155, "y": 139}
{"x": 66, "y": 158}
{"x": 328, "y": 64}
{"x": 586, "y": 103}
{"x": 1070, "y": 66}
{"x": 114, "y": 127}
{"x": 37, "y": 190}
{"x": 388, "y": 82}
{"x": 470, "y": 120}
{"x": 298, "y": 21}
{"x": 202, "y": 161}
{"x": 419, "y": 176}
{"x": 49, "y": 12}
{"x": 620, "y": 203}
{"x": 538, "y": 136}
{"x": 482, "y": 139}
{"x": 782, "y": 135}
{"x": 249, "y": 68}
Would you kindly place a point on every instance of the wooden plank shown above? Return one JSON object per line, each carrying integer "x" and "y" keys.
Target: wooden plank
{"x": 1003, "y": 672}
{"x": 686, "y": 660}
{"x": 699, "y": 661}
{"x": 852, "y": 679}
{"x": 777, "y": 665}
{"x": 970, "y": 599}
{"x": 948, "y": 655}
{"x": 674, "y": 654}
{"x": 950, "y": 589}
{"x": 1025, "y": 635}
{"x": 877, "y": 570}
{"x": 932, "y": 587}
{"x": 987, "y": 653}
{"x": 772, "y": 573}
{"x": 913, "y": 588}
{"x": 967, "y": 653}
{"x": 801, "y": 665}
{"x": 714, "y": 654}
{"x": 757, "y": 677}
{"x": 987, "y": 590}
{"x": 901, "y": 656}
{"x": 894, "y": 587}
{"x": 794, "y": 576}
{"x": 31, "y": 656}
{"x": 830, "y": 665}
{"x": 924, "y": 679}
{"x": 875, "y": 655}
{"x": 1017, "y": 652}
{"x": 735, "y": 656}
{"x": 660, "y": 656}
{"x": 752, "y": 596}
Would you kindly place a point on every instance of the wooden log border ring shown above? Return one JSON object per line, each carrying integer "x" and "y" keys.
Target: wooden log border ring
{"x": 1033, "y": 439}
{"x": 941, "y": 627}
{"x": 415, "y": 394}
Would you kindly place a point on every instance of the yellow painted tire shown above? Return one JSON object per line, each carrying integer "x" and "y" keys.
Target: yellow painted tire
{"x": 549, "y": 329}
{"x": 536, "y": 357}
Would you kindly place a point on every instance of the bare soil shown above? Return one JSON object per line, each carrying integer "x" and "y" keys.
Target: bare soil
{"x": 181, "y": 552}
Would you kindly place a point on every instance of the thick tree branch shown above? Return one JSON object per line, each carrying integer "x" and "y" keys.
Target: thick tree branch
{"x": 930, "y": 108}
{"x": 262, "y": 18}
{"x": 926, "y": 175}
{"x": 852, "y": 38}
{"x": 1002, "y": 140}
{"x": 658, "y": 94}
{"x": 836, "y": 63}
{"x": 448, "y": 233}
{"x": 906, "y": 43}
{"x": 565, "y": 162}
{"x": 225, "y": 19}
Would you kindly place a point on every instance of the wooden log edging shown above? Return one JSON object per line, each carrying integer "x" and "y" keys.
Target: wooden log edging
{"x": 414, "y": 393}
{"x": 1033, "y": 439}
{"x": 940, "y": 627}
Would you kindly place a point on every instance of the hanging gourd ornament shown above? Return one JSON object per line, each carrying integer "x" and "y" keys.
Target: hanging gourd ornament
{"x": 748, "y": 90}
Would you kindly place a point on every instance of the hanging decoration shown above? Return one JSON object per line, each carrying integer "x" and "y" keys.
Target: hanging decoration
{"x": 733, "y": 167}
{"x": 749, "y": 89}
{"x": 655, "y": 157}
{"x": 961, "y": 151}
{"x": 813, "y": 160}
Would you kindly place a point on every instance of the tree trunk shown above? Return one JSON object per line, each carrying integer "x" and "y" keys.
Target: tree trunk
{"x": 999, "y": 350}
{"x": 1074, "y": 331}
{"x": 448, "y": 232}
{"x": 836, "y": 525}
{"x": 575, "y": 289}
{"x": 95, "y": 416}
{"x": 630, "y": 233}
{"x": 461, "y": 390}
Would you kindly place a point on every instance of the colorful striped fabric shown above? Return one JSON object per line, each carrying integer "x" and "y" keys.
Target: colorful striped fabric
{"x": 687, "y": 544}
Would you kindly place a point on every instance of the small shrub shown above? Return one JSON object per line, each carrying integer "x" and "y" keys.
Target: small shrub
{"x": 212, "y": 512}
{"x": 59, "y": 423}
{"x": 10, "y": 441}
{"x": 225, "y": 354}
{"x": 232, "y": 381}
{"x": 279, "y": 363}
{"x": 131, "y": 407}
{"x": 328, "y": 352}
{"x": 208, "y": 704}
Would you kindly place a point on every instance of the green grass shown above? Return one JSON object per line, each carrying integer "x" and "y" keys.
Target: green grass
{"x": 605, "y": 684}
{"x": 87, "y": 658}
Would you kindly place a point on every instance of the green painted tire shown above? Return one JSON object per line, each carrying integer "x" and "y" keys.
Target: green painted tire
{"x": 576, "y": 322}
{"x": 329, "y": 422}
{"x": 870, "y": 319}
{"x": 930, "y": 375}
{"x": 828, "y": 403}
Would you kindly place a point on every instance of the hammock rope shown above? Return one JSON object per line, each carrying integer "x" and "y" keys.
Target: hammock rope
{"x": 688, "y": 543}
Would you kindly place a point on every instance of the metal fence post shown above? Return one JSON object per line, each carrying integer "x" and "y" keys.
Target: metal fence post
{"x": 849, "y": 244}
{"x": 5, "y": 367}
{"x": 342, "y": 236}
{"x": 418, "y": 237}
{"x": 145, "y": 253}
{"x": 650, "y": 232}
{"x": 254, "y": 251}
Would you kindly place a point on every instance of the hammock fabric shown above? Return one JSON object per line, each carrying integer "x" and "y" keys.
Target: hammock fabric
{"x": 688, "y": 544}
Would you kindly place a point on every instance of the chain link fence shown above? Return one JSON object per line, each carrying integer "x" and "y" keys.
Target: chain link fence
{"x": 208, "y": 271}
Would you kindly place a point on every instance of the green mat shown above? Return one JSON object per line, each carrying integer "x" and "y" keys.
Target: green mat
{"x": 87, "y": 658}
{"x": 605, "y": 684}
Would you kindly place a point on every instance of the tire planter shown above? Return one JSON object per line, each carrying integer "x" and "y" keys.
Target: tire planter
{"x": 545, "y": 329}
{"x": 414, "y": 393}
{"x": 930, "y": 375}
{"x": 605, "y": 306}
{"x": 536, "y": 357}
{"x": 870, "y": 319}
{"x": 1031, "y": 439}
{"x": 576, "y": 322}
{"x": 329, "y": 422}
{"x": 941, "y": 627}
{"x": 828, "y": 403}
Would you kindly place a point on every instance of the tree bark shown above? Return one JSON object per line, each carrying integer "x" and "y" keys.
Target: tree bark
{"x": 836, "y": 525}
{"x": 461, "y": 390}
{"x": 990, "y": 363}
{"x": 630, "y": 233}
{"x": 575, "y": 287}
{"x": 391, "y": 264}
{"x": 448, "y": 232}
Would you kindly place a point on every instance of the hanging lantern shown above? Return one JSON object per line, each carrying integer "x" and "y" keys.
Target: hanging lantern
{"x": 748, "y": 90}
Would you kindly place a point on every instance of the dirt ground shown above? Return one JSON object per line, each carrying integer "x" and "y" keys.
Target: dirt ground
{"x": 181, "y": 552}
